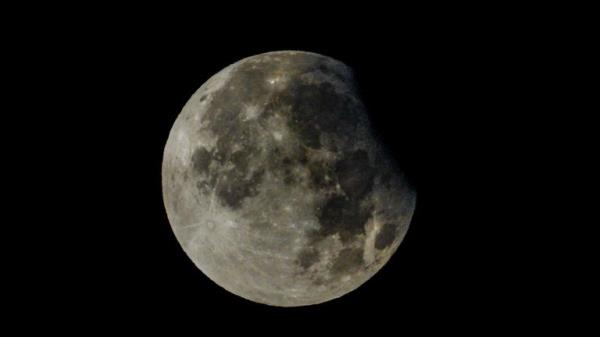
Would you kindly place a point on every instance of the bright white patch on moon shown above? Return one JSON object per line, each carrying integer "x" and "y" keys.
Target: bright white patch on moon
{"x": 275, "y": 186}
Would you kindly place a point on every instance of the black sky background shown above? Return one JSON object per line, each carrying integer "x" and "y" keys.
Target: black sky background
{"x": 447, "y": 98}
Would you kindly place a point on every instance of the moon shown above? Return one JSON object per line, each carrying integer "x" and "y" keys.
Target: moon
{"x": 276, "y": 186}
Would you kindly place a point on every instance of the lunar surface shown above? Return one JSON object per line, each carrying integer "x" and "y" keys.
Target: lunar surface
{"x": 275, "y": 185}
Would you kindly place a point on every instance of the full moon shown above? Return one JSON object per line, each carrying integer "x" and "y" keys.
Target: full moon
{"x": 277, "y": 187}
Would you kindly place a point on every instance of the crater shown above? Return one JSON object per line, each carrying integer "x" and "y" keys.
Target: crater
{"x": 232, "y": 187}
{"x": 348, "y": 261}
{"x": 321, "y": 176}
{"x": 201, "y": 159}
{"x": 342, "y": 216}
{"x": 308, "y": 257}
{"x": 247, "y": 86}
{"x": 386, "y": 236}
{"x": 355, "y": 174}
